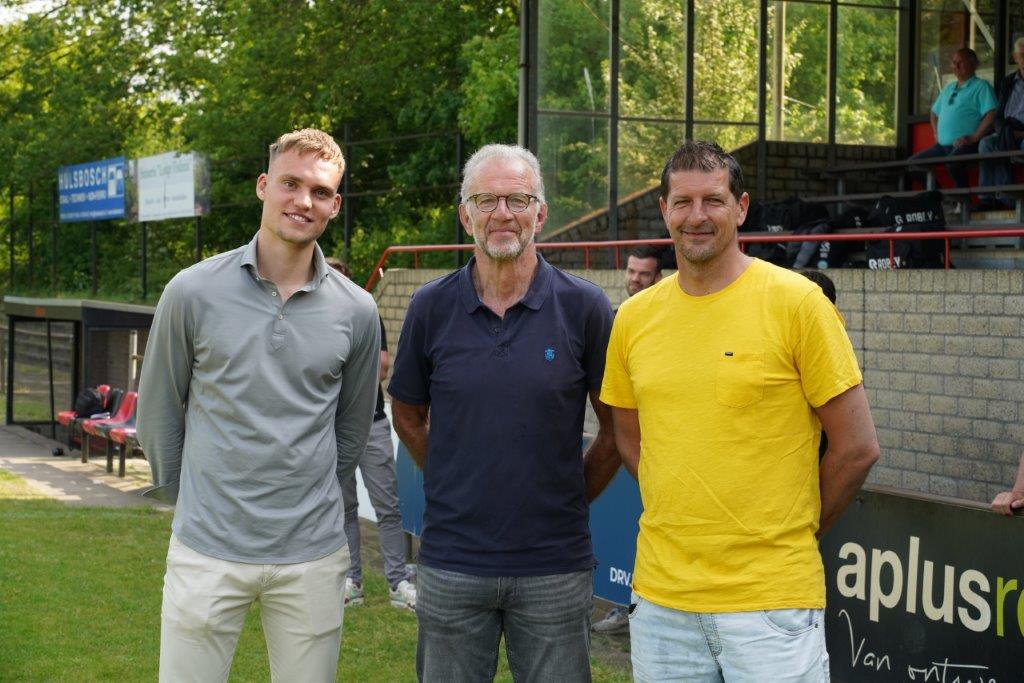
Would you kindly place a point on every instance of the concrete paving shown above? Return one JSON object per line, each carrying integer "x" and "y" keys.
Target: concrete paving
{"x": 66, "y": 478}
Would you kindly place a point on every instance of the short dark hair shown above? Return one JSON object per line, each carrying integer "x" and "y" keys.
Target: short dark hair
{"x": 645, "y": 251}
{"x": 823, "y": 281}
{"x": 969, "y": 53}
{"x": 700, "y": 155}
{"x": 339, "y": 265}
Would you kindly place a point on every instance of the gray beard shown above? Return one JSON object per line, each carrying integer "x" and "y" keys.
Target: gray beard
{"x": 508, "y": 253}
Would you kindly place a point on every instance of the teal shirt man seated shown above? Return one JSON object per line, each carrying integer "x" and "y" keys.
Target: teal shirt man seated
{"x": 961, "y": 115}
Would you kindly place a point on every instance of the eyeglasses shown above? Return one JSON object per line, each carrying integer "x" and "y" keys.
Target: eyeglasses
{"x": 517, "y": 202}
{"x": 952, "y": 98}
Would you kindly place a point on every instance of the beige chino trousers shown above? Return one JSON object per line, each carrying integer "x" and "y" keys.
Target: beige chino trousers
{"x": 205, "y": 601}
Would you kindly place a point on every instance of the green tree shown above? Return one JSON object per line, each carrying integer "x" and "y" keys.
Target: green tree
{"x": 91, "y": 80}
{"x": 76, "y": 83}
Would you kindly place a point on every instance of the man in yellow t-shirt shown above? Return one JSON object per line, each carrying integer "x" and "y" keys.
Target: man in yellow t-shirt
{"x": 729, "y": 371}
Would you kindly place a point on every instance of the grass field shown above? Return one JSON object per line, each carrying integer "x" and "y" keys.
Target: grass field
{"x": 80, "y": 601}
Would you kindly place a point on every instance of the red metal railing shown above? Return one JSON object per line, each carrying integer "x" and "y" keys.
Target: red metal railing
{"x": 618, "y": 245}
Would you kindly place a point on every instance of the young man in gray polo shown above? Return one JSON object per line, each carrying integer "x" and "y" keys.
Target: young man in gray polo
{"x": 256, "y": 398}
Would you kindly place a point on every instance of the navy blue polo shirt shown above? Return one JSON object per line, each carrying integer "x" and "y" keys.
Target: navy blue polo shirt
{"x": 504, "y": 475}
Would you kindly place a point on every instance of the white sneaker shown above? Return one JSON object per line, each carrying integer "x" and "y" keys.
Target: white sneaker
{"x": 403, "y": 595}
{"x": 353, "y": 593}
{"x": 616, "y": 621}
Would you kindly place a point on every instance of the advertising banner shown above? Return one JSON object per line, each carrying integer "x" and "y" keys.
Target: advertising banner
{"x": 614, "y": 525}
{"x": 410, "y": 491}
{"x": 924, "y": 590}
{"x": 93, "y": 191}
{"x": 171, "y": 185}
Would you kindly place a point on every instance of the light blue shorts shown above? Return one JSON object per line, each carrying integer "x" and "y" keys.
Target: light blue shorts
{"x": 770, "y": 645}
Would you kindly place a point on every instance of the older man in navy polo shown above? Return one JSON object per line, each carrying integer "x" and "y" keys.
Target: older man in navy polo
{"x": 503, "y": 354}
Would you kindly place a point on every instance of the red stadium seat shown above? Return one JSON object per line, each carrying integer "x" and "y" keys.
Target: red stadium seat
{"x": 68, "y": 418}
{"x": 98, "y": 427}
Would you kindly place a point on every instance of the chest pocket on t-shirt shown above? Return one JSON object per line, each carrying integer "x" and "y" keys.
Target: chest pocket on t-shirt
{"x": 739, "y": 378}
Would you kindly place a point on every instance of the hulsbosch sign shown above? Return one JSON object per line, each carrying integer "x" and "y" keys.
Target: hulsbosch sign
{"x": 91, "y": 191}
{"x": 920, "y": 590}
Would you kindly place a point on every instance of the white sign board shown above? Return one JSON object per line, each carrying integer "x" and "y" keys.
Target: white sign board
{"x": 167, "y": 186}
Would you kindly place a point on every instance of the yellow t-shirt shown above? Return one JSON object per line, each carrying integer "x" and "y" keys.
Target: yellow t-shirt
{"x": 724, "y": 386}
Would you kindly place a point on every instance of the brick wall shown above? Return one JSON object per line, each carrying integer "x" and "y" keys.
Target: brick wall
{"x": 943, "y": 359}
{"x": 943, "y": 355}
{"x": 794, "y": 168}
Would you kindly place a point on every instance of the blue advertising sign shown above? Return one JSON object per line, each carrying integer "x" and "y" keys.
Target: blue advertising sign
{"x": 614, "y": 525}
{"x": 410, "y": 491}
{"x": 93, "y": 191}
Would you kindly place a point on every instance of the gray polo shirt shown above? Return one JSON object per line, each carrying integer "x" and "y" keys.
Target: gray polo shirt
{"x": 250, "y": 411}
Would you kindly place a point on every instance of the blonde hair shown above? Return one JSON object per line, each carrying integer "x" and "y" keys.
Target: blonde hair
{"x": 309, "y": 140}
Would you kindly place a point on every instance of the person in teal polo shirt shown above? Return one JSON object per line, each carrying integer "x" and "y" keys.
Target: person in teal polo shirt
{"x": 961, "y": 115}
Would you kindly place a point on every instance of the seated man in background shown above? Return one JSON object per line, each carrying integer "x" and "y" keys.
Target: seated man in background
{"x": 961, "y": 115}
{"x": 1008, "y": 501}
{"x": 1008, "y": 135}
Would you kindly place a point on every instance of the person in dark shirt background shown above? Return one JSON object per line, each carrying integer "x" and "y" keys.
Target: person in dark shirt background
{"x": 377, "y": 466}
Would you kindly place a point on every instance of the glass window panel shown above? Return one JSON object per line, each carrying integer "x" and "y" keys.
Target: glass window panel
{"x": 725, "y": 60}
{"x": 572, "y": 55}
{"x": 31, "y": 370}
{"x": 943, "y": 27}
{"x": 866, "y": 76}
{"x": 1015, "y": 29}
{"x": 652, "y": 58}
{"x": 573, "y": 152}
{"x": 728, "y": 136}
{"x": 797, "y": 72}
{"x": 643, "y": 150}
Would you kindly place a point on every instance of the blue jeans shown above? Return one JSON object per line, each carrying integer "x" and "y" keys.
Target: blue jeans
{"x": 997, "y": 171}
{"x": 545, "y": 621}
{"x": 772, "y": 645}
{"x": 958, "y": 172}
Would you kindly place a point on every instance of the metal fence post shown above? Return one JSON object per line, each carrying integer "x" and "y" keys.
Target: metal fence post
{"x": 613, "y": 123}
{"x": 54, "y": 236}
{"x": 143, "y": 230}
{"x": 94, "y": 249}
{"x": 10, "y": 237}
